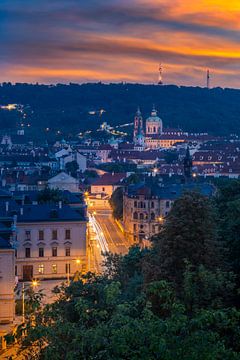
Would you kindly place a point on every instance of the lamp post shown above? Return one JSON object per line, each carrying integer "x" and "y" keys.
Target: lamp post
{"x": 23, "y": 302}
{"x": 68, "y": 273}
{"x": 34, "y": 284}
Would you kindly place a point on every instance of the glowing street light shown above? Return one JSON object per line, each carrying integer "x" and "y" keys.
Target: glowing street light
{"x": 35, "y": 283}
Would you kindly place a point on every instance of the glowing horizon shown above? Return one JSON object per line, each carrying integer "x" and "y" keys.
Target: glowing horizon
{"x": 76, "y": 41}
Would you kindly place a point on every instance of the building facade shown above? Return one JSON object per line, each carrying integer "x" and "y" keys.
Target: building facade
{"x": 146, "y": 205}
{"x": 51, "y": 242}
{"x": 7, "y": 270}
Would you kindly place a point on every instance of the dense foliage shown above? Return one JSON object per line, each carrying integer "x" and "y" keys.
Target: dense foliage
{"x": 116, "y": 202}
{"x": 74, "y": 108}
{"x": 174, "y": 300}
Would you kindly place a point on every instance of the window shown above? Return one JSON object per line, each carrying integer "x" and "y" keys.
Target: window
{"x": 28, "y": 234}
{"x": 152, "y": 216}
{"x": 67, "y": 251}
{"x": 103, "y": 189}
{"x": 134, "y": 227}
{"x": 167, "y": 204}
{"x": 27, "y": 252}
{"x": 152, "y": 204}
{"x": 54, "y": 251}
{"x": 68, "y": 234}
{"x": 135, "y": 215}
{"x": 141, "y": 217}
{"x": 67, "y": 268}
{"x": 41, "y": 252}
{"x": 40, "y": 235}
{"x": 16, "y": 253}
{"x": 135, "y": 203}
{"x": 54, "y": 268}
{"x": 15, "y": 270}
{"x": 54, "y": 235}
{"x": 41, "y": 269}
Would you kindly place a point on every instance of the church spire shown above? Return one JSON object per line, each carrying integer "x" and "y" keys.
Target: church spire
{"x": 187, "y": 163}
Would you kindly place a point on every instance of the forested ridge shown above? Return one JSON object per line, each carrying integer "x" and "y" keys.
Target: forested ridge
{"x": 67, "y": 107}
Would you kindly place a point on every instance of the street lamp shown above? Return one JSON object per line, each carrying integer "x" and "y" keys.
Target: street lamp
{"x": 34, "y": 284}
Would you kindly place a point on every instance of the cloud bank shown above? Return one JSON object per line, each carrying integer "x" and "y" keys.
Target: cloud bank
{"x": 118, "y": 40}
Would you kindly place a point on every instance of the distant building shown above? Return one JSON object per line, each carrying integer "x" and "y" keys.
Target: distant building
{"x": 145, "y": 205}
{"x": 107, "y": 183}
{"x": 156, "y": 137}
{"x": 63, "y": 181}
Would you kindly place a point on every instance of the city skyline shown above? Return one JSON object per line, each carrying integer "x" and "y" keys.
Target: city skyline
{"x": 74, "y": 41}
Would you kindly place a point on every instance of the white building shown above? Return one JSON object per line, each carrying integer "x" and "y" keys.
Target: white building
{"x": 51, "y": 241}
{"x": 63, "y": 181}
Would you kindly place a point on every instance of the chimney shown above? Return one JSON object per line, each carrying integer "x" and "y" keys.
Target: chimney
{"x": 21, "y": 211}
{"x": 60, "y": 204}
{"x": 7, "y": 206}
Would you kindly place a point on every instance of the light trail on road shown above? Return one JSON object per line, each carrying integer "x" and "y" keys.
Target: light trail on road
{"x": 99, "y": 233}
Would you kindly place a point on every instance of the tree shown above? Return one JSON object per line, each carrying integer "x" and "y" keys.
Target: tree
{"x": 72, "y": 167}
{"x": 92, "y": 319}
{"x": 116, "y": 202}
{"x": 188, "y": 234}
{"x": 49, "y": 195}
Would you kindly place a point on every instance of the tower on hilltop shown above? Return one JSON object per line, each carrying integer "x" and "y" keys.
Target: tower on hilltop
{"x": 208, "y": 79}
{"x": 160, "y": 80}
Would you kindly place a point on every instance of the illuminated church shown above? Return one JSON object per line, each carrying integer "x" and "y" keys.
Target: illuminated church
{"x": 154, "y": 137}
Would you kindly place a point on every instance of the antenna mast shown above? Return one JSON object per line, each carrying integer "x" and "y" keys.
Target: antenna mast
{"x": 160, "y": 81}
{"x": 208, "y": 79}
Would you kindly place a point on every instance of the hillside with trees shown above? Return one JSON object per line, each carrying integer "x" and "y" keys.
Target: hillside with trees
{"x": 74, "y": 108}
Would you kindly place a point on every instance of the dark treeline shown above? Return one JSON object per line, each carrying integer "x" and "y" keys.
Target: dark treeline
{"x": 67, "y": 107}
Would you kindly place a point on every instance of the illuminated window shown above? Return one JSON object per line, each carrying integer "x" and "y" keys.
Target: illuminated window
{"x": 41, "y": 269}
{"x": 54, "y": 268}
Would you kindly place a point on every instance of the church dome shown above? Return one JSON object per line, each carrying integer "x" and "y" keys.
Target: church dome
{"x": 153, "y": 117}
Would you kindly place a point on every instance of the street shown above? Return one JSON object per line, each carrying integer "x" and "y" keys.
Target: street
{"x": 112, "y": 233}
{"x": 105, "y": 235}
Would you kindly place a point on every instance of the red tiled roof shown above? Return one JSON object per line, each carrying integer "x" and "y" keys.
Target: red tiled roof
{"x": 110, "y": 179}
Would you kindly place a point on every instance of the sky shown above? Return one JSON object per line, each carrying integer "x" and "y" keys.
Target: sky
{"x": 62, "y": 41}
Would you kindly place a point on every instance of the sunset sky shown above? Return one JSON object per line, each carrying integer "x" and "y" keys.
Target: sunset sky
{"x": 50, "y": 41}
